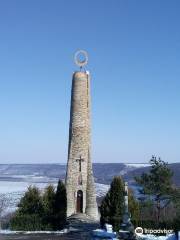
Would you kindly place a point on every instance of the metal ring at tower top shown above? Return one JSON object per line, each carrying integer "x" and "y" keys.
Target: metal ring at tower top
{"x": 77, "y": 58}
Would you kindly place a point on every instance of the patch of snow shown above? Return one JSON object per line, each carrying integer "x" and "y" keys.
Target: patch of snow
{"x": 152, "y": 237}
{"x": 8, "y": 232}
{"x": 7, "y": 187}
{"x": 131, "y": 166}
{"x": 15, "y": 190}
{"x": 101, "y": 189}
{"x": 137, "y": 165}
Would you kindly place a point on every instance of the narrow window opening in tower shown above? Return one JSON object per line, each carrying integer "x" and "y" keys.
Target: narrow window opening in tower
{"x": 80, "y": 180}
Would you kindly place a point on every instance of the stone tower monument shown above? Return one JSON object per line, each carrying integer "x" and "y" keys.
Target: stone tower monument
{"x": 81, "y": 197}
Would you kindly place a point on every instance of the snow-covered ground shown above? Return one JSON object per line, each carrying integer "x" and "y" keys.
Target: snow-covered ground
{"x": 7, "y": 187}
{"x": 152, "y": 237}
{"x": 14, "y": 190}
{"x": 142, "y": 237}
{"x": 132, "y": 166}
{"x": 7, "y": 232}
{"x": 101, "y": 189}
{"x": 137, "y": 165}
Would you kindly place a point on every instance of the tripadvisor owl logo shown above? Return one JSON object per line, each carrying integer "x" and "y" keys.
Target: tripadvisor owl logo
{"x": 139, "y": 231}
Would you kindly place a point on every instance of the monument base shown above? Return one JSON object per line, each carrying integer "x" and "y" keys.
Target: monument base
{"x": 81, "y": 223}
{"x": 81, "y": 217}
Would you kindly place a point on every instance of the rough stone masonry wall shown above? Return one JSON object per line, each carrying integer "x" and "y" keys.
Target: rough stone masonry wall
{"x": 79, "y": 145}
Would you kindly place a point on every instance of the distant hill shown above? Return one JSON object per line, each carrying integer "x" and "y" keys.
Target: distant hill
{"x": 175, "y": 167}
{"x": 103, "y": 172}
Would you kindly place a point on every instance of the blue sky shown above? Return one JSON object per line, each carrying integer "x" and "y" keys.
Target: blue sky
{"x": 134, "y": 60}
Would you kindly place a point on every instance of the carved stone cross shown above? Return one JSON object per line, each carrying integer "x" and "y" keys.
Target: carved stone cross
{"x": 80, "y": 160}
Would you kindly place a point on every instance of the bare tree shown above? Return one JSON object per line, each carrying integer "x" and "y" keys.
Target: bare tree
{"x": 3, "y": 206}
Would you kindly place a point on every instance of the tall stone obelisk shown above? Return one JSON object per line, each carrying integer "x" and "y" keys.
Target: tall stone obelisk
{"x": 81, "y": 196}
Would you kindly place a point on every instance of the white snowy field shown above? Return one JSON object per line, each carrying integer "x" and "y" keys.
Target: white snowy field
{"x": 14, "y": 190}
{"x": 137, "y": 165}
{"x": 142, "y": 237}
{"x": 8, "y": 232}
{"x": 8, "y": 187}
{"x": 152, "y": 237}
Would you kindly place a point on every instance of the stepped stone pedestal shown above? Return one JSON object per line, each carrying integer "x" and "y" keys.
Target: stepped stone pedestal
{"x": 81, "y": 225}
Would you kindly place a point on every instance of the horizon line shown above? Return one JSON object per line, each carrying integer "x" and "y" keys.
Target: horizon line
{"x": 65, "y": 163}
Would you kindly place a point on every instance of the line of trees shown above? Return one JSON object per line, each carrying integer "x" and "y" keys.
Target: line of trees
{"x": 37, "y": 211}
{"x": 158, "y": 206}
